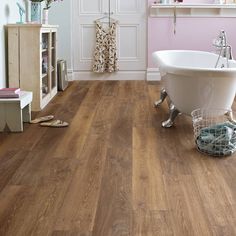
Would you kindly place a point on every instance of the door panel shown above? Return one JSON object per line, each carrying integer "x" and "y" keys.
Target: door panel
{"x": 87, "y": 42}
{"x": 90, "y": 7}
{"x": 128, "y": 46}
{"x": 131, "y": 32}
{"x": 84, "y": 40}
{"x": 127, "y": 7}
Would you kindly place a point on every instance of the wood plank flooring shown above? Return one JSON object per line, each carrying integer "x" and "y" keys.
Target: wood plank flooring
{"x": 114, "y": 171}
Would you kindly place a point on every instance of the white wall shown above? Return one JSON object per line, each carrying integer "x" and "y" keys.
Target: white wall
{"x": 60, "y": 14}
{"x": 8, "y": 14}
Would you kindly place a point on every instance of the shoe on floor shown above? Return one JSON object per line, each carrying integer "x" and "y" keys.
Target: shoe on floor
{"x": 55, "y": 124}
{"x": 41, "y": 119}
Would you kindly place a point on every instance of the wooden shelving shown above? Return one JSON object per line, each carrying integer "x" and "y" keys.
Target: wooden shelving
{"x": 193, "y": 10}
{"x": 36, "y": 56}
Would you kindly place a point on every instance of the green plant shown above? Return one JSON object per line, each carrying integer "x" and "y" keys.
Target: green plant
{"x": 49, "y": 2}
{"x": 36, "y": 0}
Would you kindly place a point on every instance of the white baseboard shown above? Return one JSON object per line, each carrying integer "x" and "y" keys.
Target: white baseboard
{"x": 153, "y": 74}
{"x": 120, "y": 75}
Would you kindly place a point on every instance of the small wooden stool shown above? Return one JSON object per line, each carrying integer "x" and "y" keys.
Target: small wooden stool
{"x": 15, "y": 111}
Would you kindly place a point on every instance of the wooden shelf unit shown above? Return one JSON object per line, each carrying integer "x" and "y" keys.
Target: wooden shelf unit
{"x": 32, "y": 61}
{"x": 193, "y": 10}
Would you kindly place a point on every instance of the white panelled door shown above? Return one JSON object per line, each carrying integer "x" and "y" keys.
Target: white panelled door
{"x": 131, "y": 33}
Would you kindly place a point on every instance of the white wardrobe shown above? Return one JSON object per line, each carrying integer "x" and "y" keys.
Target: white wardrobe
{"x": 131, "y": 37}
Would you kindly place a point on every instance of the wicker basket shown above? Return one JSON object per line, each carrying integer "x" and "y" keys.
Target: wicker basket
{"x": 214, "y": 131}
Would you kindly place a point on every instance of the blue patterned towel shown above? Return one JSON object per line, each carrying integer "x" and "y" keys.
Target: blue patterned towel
{"x": 218, "y": 140}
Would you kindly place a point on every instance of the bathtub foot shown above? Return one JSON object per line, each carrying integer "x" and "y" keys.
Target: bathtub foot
{"x": 173, "y": 114}
{"x": 230, "y": 117}
{"x": 162, "y": 98}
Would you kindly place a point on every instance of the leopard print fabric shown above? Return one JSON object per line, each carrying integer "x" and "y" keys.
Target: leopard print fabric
{"x": 105, "y": 54}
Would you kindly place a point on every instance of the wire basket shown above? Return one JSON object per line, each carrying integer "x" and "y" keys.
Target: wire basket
{"x": 214, "y": 131}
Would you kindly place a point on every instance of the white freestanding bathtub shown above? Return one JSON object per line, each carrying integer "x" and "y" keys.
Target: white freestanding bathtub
{"x": 192, "y": 81}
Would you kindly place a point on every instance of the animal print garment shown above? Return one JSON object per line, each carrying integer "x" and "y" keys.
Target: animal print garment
{"x": 105, "y": 54}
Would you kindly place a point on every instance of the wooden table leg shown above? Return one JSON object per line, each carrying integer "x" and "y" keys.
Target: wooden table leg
{"x": 14, "y": 117}
{"x": 26, "y": 112}
{"x": 2, "y": 117}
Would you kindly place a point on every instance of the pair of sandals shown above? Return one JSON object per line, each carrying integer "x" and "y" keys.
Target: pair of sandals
{"x": 47, "y": 121}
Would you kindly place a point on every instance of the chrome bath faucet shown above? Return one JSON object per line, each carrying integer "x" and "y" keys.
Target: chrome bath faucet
{"x": 224, "y": 49}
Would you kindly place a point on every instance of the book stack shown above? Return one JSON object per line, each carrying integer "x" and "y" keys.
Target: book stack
{"x": 9, "y": 93}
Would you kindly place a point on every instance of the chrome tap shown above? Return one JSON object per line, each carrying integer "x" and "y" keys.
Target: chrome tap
{"x": 225, "y": 50}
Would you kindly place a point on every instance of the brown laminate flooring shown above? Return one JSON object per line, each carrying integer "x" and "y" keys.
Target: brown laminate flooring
{"x": 114, "y": 171}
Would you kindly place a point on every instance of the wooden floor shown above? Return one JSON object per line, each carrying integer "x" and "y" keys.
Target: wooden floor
{"x": 114, "y": 171}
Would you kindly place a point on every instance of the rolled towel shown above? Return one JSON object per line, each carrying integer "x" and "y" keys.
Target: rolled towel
{"x": 218, "y": 140}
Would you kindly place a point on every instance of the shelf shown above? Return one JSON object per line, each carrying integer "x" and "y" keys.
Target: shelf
{"x": 41, "y": 79}
{"x": 32, "y": 25}
{"x": 193, "y": 10}
{"x": 45, "y": 95}
{"x": 44, "y": 75}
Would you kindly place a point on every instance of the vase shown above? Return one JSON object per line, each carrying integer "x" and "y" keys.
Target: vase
{"x": 28, "y": 10}
{"x": 45, "y": 16}
{"x": 36, "y": 12}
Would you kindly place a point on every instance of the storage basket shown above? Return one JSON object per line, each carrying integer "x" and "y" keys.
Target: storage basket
{"x": 214, "y": 131}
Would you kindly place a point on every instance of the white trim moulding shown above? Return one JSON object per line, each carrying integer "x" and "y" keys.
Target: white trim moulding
{"x": 193, "y": 10}
{"x": 120, "y": 75}
{"x": 153, "y": 74}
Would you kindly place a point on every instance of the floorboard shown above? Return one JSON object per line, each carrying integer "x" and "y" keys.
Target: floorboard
{"x": 114, "y": 171}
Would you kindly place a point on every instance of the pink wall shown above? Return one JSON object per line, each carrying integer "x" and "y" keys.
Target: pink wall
{"x": 191, "y": 33}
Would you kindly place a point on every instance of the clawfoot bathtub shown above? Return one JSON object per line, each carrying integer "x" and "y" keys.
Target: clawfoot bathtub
{"x": 191, "y": 81}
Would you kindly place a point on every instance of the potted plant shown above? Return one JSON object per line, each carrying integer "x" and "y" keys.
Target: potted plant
{"x": 48, "y": 4}
{"x": 36, "y": 10}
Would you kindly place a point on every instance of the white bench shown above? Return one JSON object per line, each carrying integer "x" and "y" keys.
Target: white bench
{"x": 15, "y": 111}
